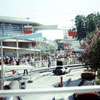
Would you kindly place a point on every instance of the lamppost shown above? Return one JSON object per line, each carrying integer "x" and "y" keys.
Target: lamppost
{"x": 72, "y": 22}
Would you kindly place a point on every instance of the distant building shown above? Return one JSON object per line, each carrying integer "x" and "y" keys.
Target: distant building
{"x": 13, "y": 27}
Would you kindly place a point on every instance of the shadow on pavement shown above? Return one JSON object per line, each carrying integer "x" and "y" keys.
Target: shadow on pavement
{"x": 75, "y": 82}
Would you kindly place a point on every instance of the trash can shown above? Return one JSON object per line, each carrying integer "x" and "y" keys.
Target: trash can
{"x": 22, "y": 84}
{"x": 59, "y": 63}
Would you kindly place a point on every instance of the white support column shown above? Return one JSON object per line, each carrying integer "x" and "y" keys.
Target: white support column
{"x": 38, "y": 58}
{"x": 17, "y": 49}
{"x": 1, "y": 71}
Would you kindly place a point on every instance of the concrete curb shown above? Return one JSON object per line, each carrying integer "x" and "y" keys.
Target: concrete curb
{"x": 52, "y": 67}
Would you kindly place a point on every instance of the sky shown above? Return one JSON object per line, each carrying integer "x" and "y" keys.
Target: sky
{"x": 49, "y": 12}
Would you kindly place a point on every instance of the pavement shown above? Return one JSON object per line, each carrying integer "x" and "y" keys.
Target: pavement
{"x": 15, "y": 84}
{"x": 19, "y": 73}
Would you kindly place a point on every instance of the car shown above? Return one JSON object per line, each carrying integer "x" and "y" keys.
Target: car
{"x": 60, "y": 70}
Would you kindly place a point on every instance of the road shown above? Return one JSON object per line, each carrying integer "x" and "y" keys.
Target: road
{"x": 50, "y": 80}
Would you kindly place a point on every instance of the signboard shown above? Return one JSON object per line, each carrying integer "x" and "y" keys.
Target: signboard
{"x": 72, "y": 33}
{"x": 28, "y": 29}
{"x": 68, "y": 50}
{"x": 66, "y": 45}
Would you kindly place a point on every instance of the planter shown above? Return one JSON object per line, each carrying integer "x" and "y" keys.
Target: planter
{"x": 88, "y": 75}
{"x": 88, "y": 70}
{"x": 97, "y": 80}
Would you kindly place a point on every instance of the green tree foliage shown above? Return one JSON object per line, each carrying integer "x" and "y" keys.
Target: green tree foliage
{"x": 86, "y": 25}
{"x": 91, "y": 23}
{"x": 81, "y": 27}
{"x": 97, "y": 20}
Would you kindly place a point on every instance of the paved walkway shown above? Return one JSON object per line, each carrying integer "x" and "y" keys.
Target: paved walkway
{"x": 15, "y": 84}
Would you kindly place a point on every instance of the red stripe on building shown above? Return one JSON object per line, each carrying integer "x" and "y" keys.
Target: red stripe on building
{"x": 67, "y": 44}
{"x": 27, "y": 31}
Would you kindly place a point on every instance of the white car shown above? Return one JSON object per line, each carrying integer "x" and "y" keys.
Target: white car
{"x": 61, "y": 70}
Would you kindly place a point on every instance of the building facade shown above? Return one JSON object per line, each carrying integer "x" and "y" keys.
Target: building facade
{"x": 13, "y": 27}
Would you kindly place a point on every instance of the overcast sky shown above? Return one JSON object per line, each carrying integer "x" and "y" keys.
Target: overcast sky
{"x": 49, "y": 12}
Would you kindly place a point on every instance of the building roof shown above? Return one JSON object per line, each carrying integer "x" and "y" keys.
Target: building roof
{"x": 18, "y": 20}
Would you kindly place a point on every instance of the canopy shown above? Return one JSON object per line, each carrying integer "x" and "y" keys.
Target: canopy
{"x": 78, "y": 50}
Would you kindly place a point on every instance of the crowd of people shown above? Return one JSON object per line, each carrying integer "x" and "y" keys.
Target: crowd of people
{"x": 27, "y": 60}
{"x": 18, "y": 61}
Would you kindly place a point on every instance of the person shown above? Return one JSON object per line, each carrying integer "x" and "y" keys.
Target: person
{"x": 25, "y": 70}
{"x": 49, "y": 61}
{"x": 0, "y": 60}
{"x": 7, "y": 87}
{"x": 13, "y": 62}
{"x": 17, "y": 61}
{"x": 68, "y": 60}
{"x": 7, "y": 60}
{"x": 32, "y": 61}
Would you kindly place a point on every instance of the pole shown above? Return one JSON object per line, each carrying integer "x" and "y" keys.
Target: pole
{"x": 1, "y": 72}
{"x": 72, "y": 22}
{"x": 38, "y": 59}
{"x": 61, "y": 81}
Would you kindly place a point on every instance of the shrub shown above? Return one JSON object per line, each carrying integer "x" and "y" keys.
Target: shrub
{"x": 91, "y": 56}
{"x": 97, "y": 80}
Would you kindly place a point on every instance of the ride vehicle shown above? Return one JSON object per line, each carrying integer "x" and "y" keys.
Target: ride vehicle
{"x": 87, "y": 96}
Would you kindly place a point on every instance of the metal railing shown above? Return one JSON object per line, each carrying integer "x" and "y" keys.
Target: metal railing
{"x": 44, "y": 91}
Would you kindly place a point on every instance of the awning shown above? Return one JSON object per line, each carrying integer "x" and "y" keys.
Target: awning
{"x": 78, "y": 50}
{"x": 68, "y": 50}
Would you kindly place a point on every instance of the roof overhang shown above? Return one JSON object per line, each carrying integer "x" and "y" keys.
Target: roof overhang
{"x": 20, "y": 50}
{"x": 18, "y": 20}
{"x": 46, "y": 27}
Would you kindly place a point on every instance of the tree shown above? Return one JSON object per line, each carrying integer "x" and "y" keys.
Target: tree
{"x": 86, "y": 25}
{"x": 81, "y": 27}
{"x": 91, "y": 23}
{"x": 97, "y": 20}
{"x": 91, "y": 55}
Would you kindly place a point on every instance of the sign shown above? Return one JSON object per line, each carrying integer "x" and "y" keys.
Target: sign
{"x": 66, "y": 45}
{"x": 68, "y": 50}
{"x": 72, "y": 33}
{"x": 28, "y": 29}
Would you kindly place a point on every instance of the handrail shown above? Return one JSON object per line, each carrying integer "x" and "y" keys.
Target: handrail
{"x": 43, "y": 91}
